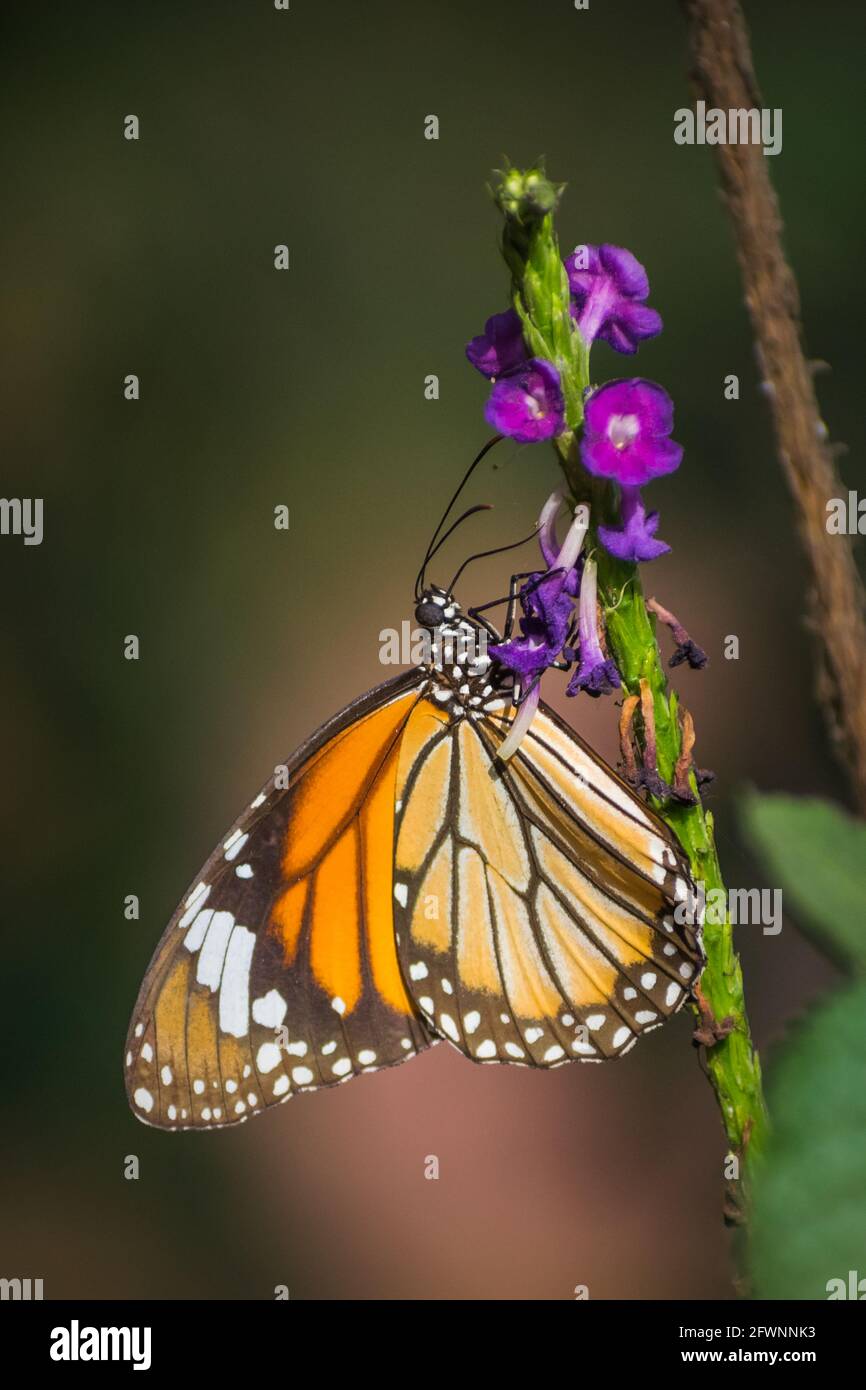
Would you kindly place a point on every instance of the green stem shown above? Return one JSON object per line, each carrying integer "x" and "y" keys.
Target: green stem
{"x": 540, "y": 294}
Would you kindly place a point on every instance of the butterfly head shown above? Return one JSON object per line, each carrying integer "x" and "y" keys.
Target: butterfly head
{"x": 435, "y": 607}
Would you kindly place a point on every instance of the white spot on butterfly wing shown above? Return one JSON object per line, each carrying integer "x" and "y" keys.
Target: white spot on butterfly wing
{"x": 212, "y": 953}
{"x": 194, "y": 902}
{"x": 234, "y": 844}
{"x": 196, "y": 934}
{"x": 270, "y": 1009}
{"x": 267, "y": 1057}
{"x": 234, "y": 1000}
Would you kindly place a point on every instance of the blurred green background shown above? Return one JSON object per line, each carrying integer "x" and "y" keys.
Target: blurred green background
{"x": 261, "y": 127}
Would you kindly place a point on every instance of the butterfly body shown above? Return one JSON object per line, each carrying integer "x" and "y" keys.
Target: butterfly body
{"x": 463, "y": 679}
{"x": 402, "y": 885}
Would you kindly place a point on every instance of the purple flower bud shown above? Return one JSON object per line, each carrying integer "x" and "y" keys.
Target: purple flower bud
{"x": 596, "y": 674}
{"x": 626, "y": 432}
{"x": 527, "y": 404}
{"x": 636, "y": 541}
{"x": 608, "y": 289}
{"x": 500, "y": 348}
{"x": 522, "y": 721}
{"x": 547, "y": 527}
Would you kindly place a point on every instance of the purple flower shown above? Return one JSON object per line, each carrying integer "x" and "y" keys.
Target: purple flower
{"x": 627, "y": 425}
{"x": 500, "y": 348}
{"x": 527, "y": 403}
{"x": 636, "y": 541}
{"x": 608, "y": 288}
{"x": 596, "y": 674}
{"x": 546, "y": 600}
{"x": 547, "y": 606}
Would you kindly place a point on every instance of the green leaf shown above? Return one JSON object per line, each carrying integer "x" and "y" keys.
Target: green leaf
{"x": 817, "y": 854}
{"x": 809, "y": 1212}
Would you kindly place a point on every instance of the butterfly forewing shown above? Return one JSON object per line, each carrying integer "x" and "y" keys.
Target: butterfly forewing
{"x": 278, "y": 971}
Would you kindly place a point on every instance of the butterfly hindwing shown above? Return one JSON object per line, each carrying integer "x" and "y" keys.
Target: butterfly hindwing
{"x": 278, "y": 972}
{"x": 536, "y": 925}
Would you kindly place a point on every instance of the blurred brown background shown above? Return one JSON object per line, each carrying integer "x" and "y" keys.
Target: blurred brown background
{"x": 306, "y": 388}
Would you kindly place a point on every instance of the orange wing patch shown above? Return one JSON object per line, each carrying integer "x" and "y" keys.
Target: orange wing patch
{"x": 335, "y": 935}
{"x": 340, "y": 839}
{"x": 331, "y": 790}
{"x": 287, "y": 917}
{"x": 377, "y": 840}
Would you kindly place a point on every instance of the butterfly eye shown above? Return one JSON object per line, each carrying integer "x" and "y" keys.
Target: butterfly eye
{"x": 428, "y": 614}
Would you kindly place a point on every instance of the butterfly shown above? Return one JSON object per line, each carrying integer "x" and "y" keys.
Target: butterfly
{"x": 401, "y": 885}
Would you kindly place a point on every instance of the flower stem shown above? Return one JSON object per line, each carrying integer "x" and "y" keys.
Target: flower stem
{"x": 540, "y": 294}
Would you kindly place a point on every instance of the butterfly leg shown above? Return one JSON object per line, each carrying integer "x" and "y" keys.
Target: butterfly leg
{"x": 514, "y": 595}
{"x": 559, "y": 665}
{"x": 511, "y": 598}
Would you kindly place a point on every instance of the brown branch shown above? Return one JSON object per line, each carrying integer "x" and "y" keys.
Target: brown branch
{"x": 723, "y": 75}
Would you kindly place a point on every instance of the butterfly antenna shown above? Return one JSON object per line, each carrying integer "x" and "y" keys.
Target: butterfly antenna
{"x": 484, "y": 554}
{"x": 470, "y": 511}
{"x": 419, "y": 582}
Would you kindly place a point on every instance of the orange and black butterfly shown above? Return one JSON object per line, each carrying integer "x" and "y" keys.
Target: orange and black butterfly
{"x": 406, "y": 886}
